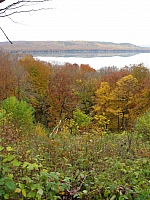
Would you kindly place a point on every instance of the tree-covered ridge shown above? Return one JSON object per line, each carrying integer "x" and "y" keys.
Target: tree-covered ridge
{"x": 40, "y": 46}
{"x": 71, "y": 132}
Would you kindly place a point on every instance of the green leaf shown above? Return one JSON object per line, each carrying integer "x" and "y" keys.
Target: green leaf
{"x": 1, "y": 116}
{"x": 33, "y": 186}
{"x": 113, "y": 197}
{"x": 2, "y": 192}
{"x": 21, "y": 186}
{"x": 16, "y": 163}
{"x": 125, "y": 197}
{"x": 10, "y": 176}
{"x": 9, "y": 148}
{"x": 1, "y": 148}
{"x": 9, "y": 158}
{"x": 33, "y": 166}
{"x": 10, "y": 185}
{"x": 121, "y": 198}
{"x": 27, "y": 179}
{"x": 106, "y": 193}
{"x": 31, "y": 194}
{"x": 6, "y": 196}
{"x": 30, "y": 167}
{"x": 112, "y": 187}
{"x": 25, "y": 164}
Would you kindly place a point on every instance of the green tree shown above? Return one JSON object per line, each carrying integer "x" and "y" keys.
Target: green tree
{"x": 79, "y": 123}
{"x": 140, "y": 72}
{"x": 81, "y": 119}
{"x": 86, "y": 91}
{"x": 18, "y": 113}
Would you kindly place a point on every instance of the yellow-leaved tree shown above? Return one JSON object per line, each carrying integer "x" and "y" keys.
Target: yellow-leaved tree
{"x": 124, "y": 96}
{"x": 101, "y": 107}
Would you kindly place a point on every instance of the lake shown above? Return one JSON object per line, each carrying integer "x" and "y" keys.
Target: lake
{"x": 97, "y": 61}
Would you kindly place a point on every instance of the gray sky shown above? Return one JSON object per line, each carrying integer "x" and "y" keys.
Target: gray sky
{"x": 117, "y": 21}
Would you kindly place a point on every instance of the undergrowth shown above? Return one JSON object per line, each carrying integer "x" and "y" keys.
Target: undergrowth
{"x": 65, "y": 166}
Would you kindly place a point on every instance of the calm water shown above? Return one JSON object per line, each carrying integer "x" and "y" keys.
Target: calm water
{"x": 96, "y": 61}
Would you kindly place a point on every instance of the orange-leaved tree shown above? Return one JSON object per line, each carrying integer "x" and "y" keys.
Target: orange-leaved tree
{"x": 7, "y": 79}
{"x": 62, "y": 97}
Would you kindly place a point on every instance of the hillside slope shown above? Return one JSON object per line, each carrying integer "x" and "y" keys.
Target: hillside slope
{"x": 60, "y": 46}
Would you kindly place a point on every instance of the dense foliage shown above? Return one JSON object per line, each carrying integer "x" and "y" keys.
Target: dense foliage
{"x": 71, "y": 132}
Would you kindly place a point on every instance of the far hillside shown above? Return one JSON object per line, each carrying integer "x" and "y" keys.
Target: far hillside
{"x": 70, "y": 46}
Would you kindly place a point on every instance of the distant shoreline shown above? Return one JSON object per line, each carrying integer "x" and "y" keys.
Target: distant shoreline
{"x": 82, "y": 51}
{"x": 79, "y": 53}
{"x": 85, "y": 54}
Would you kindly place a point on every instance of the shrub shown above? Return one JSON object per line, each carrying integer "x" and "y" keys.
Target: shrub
{"x": 142, "y": 125}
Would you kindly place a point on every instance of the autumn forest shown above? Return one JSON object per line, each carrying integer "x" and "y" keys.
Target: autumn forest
{"x": 73, "y": 132}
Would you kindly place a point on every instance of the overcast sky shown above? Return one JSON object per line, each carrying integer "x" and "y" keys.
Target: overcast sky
{"x": 117, "y": 21}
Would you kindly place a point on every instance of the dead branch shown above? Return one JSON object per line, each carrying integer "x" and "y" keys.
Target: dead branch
{"x": 6, "y": 35}
{"x": 55, "y": 130}
{"x": 74, "y": 191}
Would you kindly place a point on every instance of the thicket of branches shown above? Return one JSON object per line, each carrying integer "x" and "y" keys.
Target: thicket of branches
{"x": 17, "y": 7}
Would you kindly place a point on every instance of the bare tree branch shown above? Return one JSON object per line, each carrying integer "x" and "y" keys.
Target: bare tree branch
{"x": 2, "y": 1}
{"x": 14, "y": 7}
{"x": 24, "y": 11}
{"x": 6, "y": 35}
{"x": 20, "y": 6}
